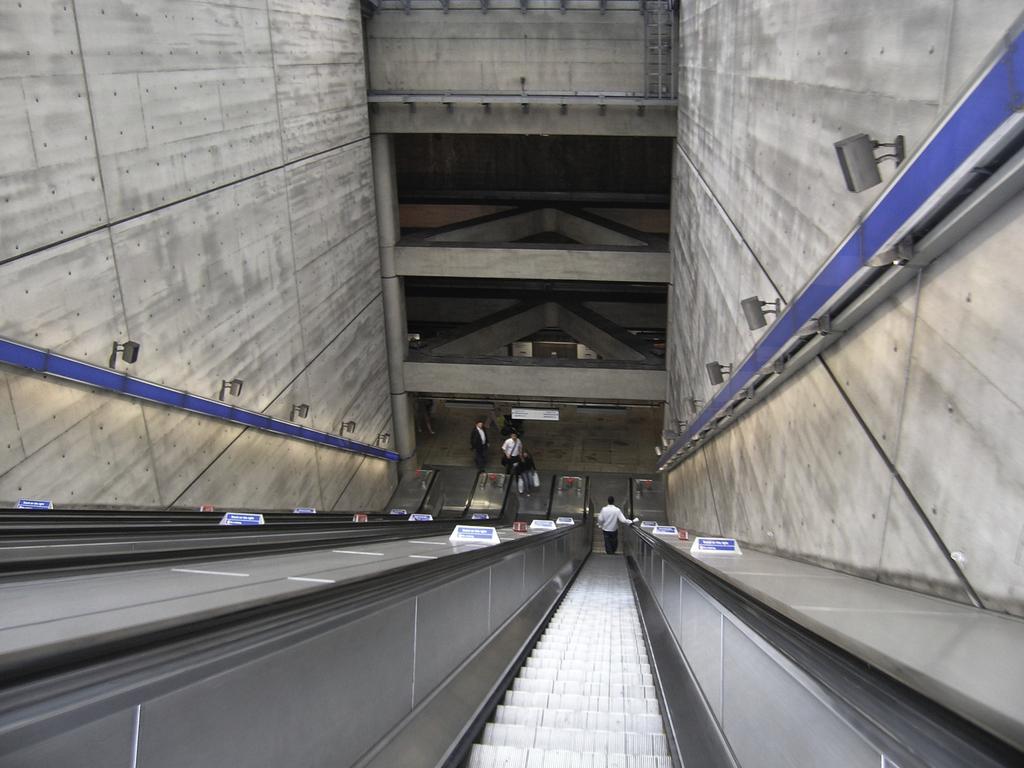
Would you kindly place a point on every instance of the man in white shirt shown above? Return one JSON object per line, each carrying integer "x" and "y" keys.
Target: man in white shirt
{"x": 608, "y": 520}
{"x": 512, "y": 447}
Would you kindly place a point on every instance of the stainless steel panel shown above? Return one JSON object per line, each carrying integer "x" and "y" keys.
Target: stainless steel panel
{"x": 701, "y": 641}
{"x": 671, "y": 597}
{"x": 318, "y": 704}
{"x": 603, "y": 486}
{"x": 647, "y": 498}
{"x": 534, "y": 575}
{"x": 569, "y": 496}
{"x": 536, "y": 503}
{"x": 551, "y": 559}
{"x": 467, "y": 696}
{"x": 506, "y": 588}
{"x": 772, "y": 721}
{"x": 105, "y": 743}
{"x": 412, "y": 491}
{"x": 653, "y": 573}
{"x": 489, "y": 495}
{"x": 432, "y": 503}
{"x": 457, "y": 486}
{"x": 451, "y": 621}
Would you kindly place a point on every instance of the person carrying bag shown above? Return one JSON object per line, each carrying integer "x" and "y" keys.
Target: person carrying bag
{"x": 510, "y": 450}
{"x": 527, "y": 478}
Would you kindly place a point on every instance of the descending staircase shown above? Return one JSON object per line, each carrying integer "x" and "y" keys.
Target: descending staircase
{"x": 585, "y": 697}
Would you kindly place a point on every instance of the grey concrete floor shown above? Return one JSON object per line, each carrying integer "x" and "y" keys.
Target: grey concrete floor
{"x": 616, "y": 442}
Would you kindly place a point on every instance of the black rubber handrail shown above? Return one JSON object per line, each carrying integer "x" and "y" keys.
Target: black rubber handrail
{"x": 911, "y": 728}
{"x": 109, "y": 673}
{"x": 237, "y": 542}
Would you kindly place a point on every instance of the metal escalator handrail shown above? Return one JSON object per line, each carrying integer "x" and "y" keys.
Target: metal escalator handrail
{"x": 913, "y": 729}
{"x": 65, "y": 669}
{"x": 241, "y": 541}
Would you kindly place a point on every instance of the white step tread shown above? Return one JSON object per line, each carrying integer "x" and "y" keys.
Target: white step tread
{"x": 576, "y": 739}
{"x": 580, "y": 702}
{"x": 613, "y": 690}
{"x": 614, "y": 675}
{"x": 554, "y": 662}
{"x": 488, "y": 756}
{"x": 576, "y": 654}
{"x": 572, "y": 718}
{"x": 585, "y": 697}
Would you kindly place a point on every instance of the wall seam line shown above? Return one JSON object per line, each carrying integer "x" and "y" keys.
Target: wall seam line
{"x": 206, "y": 469}
{"x": 319, "y": 354}
{"x": 108, "y": 229}
{"x": 291, "y": 227}
{"x": 272, "y": 401}
{"x": 186, "y": 199}
{"x": 344, "y": 490}
{"x": 55, "y": 438}
{"x": 898, "y": 478}
{"x": 732, "y": 224}
{"x": 900, "y": 410}
{"x": 711, "y": 487}
{"x": 17, "y": 423}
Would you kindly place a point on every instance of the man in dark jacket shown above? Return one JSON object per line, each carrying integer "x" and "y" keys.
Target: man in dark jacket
{"x": 478, "y": 442}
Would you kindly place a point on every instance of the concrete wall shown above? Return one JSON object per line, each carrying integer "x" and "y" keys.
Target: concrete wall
{"x": 467, "y": 50}
{"x": 765, "y": 89}
{"x": 194, "y": 176}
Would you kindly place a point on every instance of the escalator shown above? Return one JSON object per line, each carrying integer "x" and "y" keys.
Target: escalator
{"x": 585, "y": 695}
{"x": 528, "y": 653}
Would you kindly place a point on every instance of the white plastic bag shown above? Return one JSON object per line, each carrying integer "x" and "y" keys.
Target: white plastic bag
{"x": 534, "y": 479}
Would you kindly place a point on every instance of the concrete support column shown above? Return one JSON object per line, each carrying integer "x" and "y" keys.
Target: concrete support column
{"x": 388, "y": 231}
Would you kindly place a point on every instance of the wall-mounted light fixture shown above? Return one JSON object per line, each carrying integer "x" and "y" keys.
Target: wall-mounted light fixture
{"x": 817, "y": 326}
{"x": 347, "y": 426}
{"x": 897, "y": 256}
{"x": 299, "y": 411}
{"x": 129, "y": 352}
{"x": 382, "y": 438}
{"x": 231, "y": 387}
{"x": 717, "y": 372}
{"x": 859, "y": 163}
{"x": 755, "y": 309}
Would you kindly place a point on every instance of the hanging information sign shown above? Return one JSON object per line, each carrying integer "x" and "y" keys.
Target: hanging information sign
{"x": 535, "y": 414}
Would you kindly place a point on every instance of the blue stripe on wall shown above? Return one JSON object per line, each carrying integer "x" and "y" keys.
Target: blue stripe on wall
{"x": 41, "y": 361}
{"x": 993, "y": 101}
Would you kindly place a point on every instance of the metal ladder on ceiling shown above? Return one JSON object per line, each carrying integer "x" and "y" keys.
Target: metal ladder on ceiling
{"x": 659, "y": 61}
